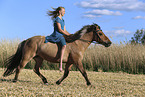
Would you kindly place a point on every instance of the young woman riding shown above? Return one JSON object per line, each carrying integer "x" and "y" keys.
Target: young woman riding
{"x": 59, "y": 30}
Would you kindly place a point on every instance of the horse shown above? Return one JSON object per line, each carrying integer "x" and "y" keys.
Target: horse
{"x": 36, "y": 48}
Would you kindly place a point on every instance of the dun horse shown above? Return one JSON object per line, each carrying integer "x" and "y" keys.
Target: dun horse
{"x": 35, "y": 48}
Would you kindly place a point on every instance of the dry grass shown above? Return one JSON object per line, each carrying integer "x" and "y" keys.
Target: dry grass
{"x": 124, "y": 57}
{"x": 7, "y": 48}
{"x": 103, "y": 84}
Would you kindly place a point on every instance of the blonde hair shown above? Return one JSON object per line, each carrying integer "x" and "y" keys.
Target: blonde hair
{"x": 55, "y": 13}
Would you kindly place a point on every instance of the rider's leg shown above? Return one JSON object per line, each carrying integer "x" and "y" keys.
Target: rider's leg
{"x": 61, "y": 57}
{"x": 63, "y": 44}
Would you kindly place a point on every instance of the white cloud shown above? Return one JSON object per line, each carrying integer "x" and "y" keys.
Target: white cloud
{"x": 103, "y": 12}
{"x": 139, "y": 17}
{"x": 122, "y": 31}
{"x": 125, "y": 5}
{"x": 118, "y": 33}
{"x": 121, "y": 27}
{"x": 111, "y": 7}
{"x": 89, "y": 16}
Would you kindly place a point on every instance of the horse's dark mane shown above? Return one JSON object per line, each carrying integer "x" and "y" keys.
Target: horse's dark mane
{"x": 77, "y": 35}
{"x": 81, "y": 31}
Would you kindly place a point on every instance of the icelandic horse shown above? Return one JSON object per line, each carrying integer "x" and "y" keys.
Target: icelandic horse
{"x": 35, "y": 48}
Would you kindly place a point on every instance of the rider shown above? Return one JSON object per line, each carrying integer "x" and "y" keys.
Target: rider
{"x": 59, "y": 30}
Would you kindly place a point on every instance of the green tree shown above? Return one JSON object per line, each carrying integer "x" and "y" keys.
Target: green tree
{"x": 139, "y": 37}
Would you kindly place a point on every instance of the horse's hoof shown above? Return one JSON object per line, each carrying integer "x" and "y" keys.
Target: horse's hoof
{"x": 14, "y": 81}
{"x": 88, "y": 84}
{"x": 58, "y": 82}
{"x": 46, "y": 84}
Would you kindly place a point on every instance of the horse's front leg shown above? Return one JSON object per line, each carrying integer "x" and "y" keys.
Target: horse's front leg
{"x": 66, "y": 72}
{"x": 81, "y": 69}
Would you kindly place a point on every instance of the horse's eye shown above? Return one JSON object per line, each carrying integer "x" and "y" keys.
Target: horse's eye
{"x": 100, "y": 34}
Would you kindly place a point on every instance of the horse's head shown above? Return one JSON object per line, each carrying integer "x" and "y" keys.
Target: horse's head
{"x": 99, "y": 36}
{"x": 96, "y": 35}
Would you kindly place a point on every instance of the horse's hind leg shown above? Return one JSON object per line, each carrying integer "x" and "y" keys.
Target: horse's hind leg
{"x": 66, "y": 72}
{"x": 22, "y": 64}
{"x": 28, "y": 53}
{"x": 38, "y": 64}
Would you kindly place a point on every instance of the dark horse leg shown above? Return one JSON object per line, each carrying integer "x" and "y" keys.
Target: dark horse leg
{"x": 81, "y": 69}
{"x": 38, "y": 64}
{"x": 66, "y": 72}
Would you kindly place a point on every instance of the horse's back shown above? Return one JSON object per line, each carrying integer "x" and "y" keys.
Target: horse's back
{"x": 38, "y": 39}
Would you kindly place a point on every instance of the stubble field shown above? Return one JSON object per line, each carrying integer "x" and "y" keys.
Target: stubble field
{"x": 103, "y": 84}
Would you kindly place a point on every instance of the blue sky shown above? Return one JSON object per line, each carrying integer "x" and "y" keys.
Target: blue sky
{"x": 119, "y": 19}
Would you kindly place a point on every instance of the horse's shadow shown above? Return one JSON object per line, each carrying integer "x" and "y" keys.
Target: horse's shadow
{"x": 6, "y": 80}
{"x": 23, "y": 81}
{"x": 49, "y": 84}
{"x": 11, "y": 80}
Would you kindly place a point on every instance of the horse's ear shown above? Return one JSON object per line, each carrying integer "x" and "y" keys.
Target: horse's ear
{"x": 91, "y": 28}
{"x": 96, "y": 26}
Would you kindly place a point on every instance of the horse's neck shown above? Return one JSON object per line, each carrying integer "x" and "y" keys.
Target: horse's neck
{"x": 85, "y": 41}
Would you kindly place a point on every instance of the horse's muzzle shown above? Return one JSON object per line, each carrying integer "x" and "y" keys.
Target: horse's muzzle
{"x": 107, "y": 44}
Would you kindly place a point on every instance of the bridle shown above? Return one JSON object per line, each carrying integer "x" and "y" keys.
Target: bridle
{"x": 95, "y": 32}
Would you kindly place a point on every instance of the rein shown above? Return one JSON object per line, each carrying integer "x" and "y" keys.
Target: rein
{"x": 88, "y": 41}
{"x": 85, "y": 40}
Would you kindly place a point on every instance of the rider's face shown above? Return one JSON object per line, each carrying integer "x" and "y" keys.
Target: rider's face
{"x": 62, "y": 12}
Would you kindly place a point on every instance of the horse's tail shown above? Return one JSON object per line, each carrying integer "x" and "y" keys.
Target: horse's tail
{"x": 13, "y": 61}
